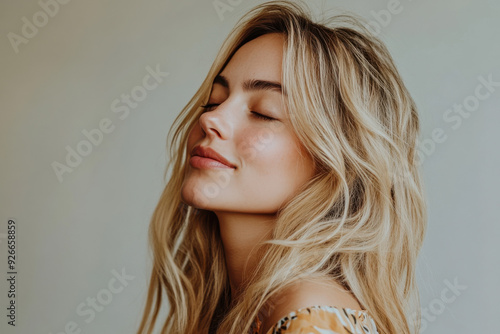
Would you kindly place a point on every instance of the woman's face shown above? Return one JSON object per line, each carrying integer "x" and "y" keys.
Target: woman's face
{"x": 269, "y": 164}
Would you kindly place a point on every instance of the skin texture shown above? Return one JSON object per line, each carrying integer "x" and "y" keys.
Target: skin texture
{"x": 271, "y": 164}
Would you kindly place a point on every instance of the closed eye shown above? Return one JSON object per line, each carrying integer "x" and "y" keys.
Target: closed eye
{"x": 263, "y": 117}
{"x": 211, "y": 106}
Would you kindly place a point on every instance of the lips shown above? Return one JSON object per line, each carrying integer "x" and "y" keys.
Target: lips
{"x": 207, "y": 152}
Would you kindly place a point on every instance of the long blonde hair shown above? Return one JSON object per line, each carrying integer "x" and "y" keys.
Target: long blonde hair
{"x": 360, "y": 220}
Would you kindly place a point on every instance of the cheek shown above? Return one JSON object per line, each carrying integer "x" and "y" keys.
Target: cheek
{"x": 260, "y": 145}
{"x": 275, "y": 174}
{"x": 284, "y": 162}
{"x": 268, "y": 153}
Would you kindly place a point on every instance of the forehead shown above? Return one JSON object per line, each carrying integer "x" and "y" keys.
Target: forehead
{"x": 259, "y": 58}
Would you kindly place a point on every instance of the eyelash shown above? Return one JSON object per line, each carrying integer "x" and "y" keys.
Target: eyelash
{"x": 257, "y": 115}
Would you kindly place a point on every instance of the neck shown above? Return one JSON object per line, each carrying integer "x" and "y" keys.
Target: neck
{"x": 240, "y": 234}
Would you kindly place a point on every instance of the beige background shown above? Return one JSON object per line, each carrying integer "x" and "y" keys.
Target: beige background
{"x": 72, "y": 235}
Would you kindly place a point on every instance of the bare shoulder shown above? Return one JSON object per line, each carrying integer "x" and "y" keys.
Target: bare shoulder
{"x": 308, "y": 293}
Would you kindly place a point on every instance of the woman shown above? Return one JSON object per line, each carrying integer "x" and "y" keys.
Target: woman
{"x": 294, "y": 203}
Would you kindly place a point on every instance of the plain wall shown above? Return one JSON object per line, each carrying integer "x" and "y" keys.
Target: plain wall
{"x": 75, "y": 234}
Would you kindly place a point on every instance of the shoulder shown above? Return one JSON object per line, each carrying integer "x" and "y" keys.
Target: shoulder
{"x": 304, "y": 294}
{"x": 322, "y": 319}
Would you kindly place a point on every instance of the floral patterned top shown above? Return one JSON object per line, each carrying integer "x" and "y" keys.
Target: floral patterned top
{"x": 321, "y": 320}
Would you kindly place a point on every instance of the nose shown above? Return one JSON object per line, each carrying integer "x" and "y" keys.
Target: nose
{"x": 217, "y": 122}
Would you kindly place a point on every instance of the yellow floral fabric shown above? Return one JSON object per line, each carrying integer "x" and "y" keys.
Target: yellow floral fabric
{"x": 320, "y": 319}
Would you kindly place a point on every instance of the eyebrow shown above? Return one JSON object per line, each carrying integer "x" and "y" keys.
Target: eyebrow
{"x": 252, "y": 84}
